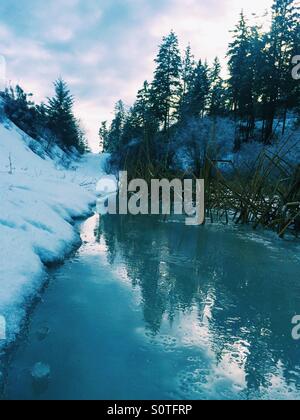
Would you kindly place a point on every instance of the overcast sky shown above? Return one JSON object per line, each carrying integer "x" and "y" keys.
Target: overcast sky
{"x": 105, "y": 49}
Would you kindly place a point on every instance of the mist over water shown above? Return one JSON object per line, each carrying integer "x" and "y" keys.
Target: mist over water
{"x": 153, "y": 309}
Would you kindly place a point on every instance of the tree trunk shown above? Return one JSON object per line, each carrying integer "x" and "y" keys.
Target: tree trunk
{"x": 284, "y": 119}
{"x": 268, "y": 134}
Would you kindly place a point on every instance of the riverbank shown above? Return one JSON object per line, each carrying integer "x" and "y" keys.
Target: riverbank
{"x": 39, "y": 201}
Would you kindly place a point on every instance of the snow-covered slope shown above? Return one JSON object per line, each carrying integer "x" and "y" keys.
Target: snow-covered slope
{"x": 37, "y": 205}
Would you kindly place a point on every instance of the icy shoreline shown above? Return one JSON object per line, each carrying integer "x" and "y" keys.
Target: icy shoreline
{"x": 39, "y": 203}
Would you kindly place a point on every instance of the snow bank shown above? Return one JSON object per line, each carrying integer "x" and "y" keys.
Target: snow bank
{"x": 198, "y": 136}
{"x": 38, "y": 203}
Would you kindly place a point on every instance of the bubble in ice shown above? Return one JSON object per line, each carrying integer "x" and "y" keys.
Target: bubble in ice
{"x": 40, "y": 371}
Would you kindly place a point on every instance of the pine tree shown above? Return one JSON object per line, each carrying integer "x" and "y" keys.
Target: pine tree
{"x": 279, "y": 51}
{"x": 61, "y": 119}
{"x": 166, "y": 87}
{"x": 143, "y": 115}
{"x": 188, "y": 73}
{"x": 104, "y": 134}
{"x": 188, "y": 68}
{"x": 242, "y": 58}
{"x": 197, "y": 97}
{"x": 83, "y": 146}
{"x": 142, "y": 106}
{"x": 217, "y": 94}
{"x": 116, "y": 129}
{"x": 240, "y": 84}
{"x": 21, "y": 110}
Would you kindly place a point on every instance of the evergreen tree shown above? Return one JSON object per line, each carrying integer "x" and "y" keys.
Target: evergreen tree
{"x": 61, "y": 119}
{"x": 83, "y": 146}
{"x": 103, "y": 134}
{"x": 114, "y": 136}
{"x": 279, "y": 50}
{"x": 166, "y": 87}
{"x": 188, "y": 68}
{"x": 188, "y": 72}
{"x": 144, "y": 122}
{"x": 143, "y": 115}
{"x": 246, "y": 63}
{"x": 217, "y": 94}
{"x": 240, "y": 81}
{"x": 21, "y": 110}
{"x": 197, "y": 97}
{"x": 142, "y": 106}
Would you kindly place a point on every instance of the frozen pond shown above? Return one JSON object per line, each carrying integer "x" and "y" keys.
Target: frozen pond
{"x": 148, "y": 309}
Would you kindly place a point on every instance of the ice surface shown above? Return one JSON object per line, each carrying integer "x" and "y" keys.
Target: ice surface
{"x": 42, "y": 333}
{"x": 38, "y": 203}
{"x": 40, "y": 371}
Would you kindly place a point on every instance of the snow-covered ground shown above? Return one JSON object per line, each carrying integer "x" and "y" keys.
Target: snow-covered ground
{"x": 38, "y": 203}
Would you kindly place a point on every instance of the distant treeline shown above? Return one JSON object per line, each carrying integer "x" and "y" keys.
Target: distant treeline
{"x": 258, "y": 95}
{"x": 53, "y": 122}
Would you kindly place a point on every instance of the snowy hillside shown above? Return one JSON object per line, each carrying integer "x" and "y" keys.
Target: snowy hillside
{"x": 38, "y": 201}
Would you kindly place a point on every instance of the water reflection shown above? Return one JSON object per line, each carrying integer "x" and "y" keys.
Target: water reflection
{"x": 219, "y": 292}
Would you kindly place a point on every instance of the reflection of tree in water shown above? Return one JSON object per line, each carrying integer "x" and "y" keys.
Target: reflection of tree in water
{"x": 178, "y": 271}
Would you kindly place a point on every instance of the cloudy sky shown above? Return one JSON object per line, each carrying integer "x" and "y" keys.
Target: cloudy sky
{"x": 105, "y": 49}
